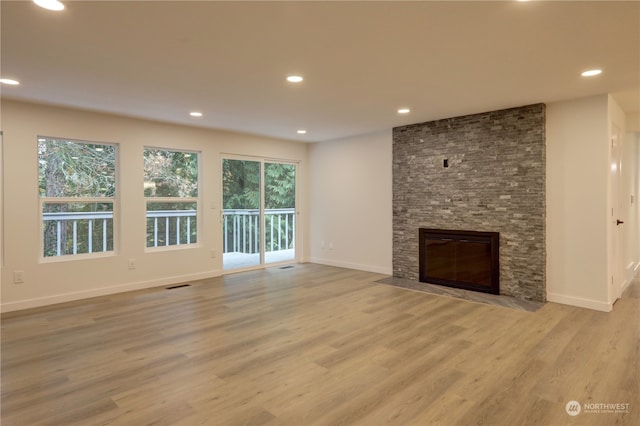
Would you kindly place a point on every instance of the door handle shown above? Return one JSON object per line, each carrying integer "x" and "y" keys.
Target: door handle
{"x": 619, "y": 222}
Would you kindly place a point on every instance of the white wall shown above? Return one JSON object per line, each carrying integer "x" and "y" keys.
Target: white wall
{"x": 350, "y": 186}
{"x": 58, "y": 281}
{"x": 577, "y": 203}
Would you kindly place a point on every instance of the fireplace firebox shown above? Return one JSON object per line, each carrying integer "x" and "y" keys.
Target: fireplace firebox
{"x": 461, "y": 259}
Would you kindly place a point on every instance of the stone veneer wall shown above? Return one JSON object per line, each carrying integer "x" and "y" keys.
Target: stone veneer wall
{"x": 495, "y": 182}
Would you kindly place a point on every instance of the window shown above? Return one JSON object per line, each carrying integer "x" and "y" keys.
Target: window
{"x": 77, "y": 186}
{"x": 171, "y": 193}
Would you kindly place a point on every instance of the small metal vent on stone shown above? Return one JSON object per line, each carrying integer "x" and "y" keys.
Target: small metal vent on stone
{"x": 286, "y": 267}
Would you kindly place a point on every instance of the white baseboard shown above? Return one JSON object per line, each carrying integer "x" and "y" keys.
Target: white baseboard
{"x": 580, "y": 302}
{"x": 104, "y": 291}
{"x": 624, "y": 285}
{"x": 630, "y": 272}
{"x": 349, "y": 265}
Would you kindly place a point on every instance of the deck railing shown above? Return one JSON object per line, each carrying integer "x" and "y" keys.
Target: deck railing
{"x": 168, "y": 224}
{"x": 241, "y": 231}
{"x": 98, "y": 226}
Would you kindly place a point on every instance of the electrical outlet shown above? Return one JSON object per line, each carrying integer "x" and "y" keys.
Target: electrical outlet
{"x": 212, "y": 253}
{"x": 18, "y": 277}
{"x": 330, "y": 246}
{"x": 132, "y": 263}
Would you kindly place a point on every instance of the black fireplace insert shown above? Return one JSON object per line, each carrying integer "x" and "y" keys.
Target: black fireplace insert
{"x": 461, "y": 259}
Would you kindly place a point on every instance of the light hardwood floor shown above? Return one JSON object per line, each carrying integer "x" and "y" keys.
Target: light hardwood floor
{"x": 315, "y": 345}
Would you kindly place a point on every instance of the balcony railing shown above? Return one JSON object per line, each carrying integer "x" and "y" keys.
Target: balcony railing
{"x": 168, "y": 224}
{"x": 90, "y": 231}
{"x": 241, "y": 230}
{"x": 97, "y": 224}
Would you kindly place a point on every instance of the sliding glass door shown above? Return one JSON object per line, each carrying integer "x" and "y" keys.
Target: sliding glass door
{"x": 279, "y": 211}
{"x": 259, "y": 212}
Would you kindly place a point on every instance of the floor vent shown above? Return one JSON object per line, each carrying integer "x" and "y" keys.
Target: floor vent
{"x": 178, "y": 286}
{"x": 286, "y": 267}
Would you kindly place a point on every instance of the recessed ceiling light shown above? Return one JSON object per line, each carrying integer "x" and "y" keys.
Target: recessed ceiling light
{"x": 301, "y": 132}
{"x": 591, "y": 73}
{"x": 50, "y": 4}
{"x": 195, "y": 114}
{"x": 404, "y": 111}
{"x": 294, "y": 79}
{"x": 9, "y": 81}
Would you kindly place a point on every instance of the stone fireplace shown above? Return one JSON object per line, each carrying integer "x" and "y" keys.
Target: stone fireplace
{"x": 483, "y": 173}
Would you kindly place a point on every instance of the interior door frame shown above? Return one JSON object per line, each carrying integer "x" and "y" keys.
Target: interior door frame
{"x": 2, "y": 168}
{"x": 615, "y": 260}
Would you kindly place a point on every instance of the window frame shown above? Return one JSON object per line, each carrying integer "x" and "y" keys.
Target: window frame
{"x": 197, "y": 200}
{"x": 114, "y": 201}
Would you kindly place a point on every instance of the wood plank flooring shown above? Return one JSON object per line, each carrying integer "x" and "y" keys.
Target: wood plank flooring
{"x": 315, "y": 345}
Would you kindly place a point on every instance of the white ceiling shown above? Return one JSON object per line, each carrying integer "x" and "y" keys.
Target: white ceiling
{"x": 361, "y": 60}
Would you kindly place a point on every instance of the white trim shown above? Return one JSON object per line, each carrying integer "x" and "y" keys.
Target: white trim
{"x": 172, "y": 247}
{"x": 74, "y": 257}
{"x": 631, "y": 271}
{"x": 349, "y": 265}
{"x": 77, "y": 200}
{"x": 85, "y": 294}
{"x": 176, "y": 200}
{"x": 2, "y": 168}
{"x": 579, "y": 302}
